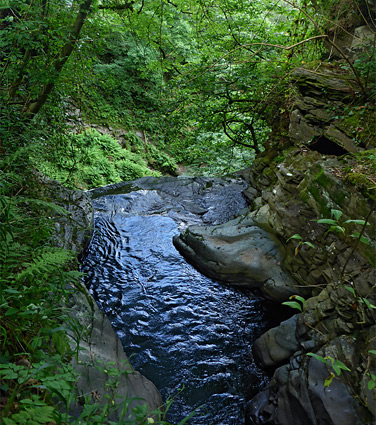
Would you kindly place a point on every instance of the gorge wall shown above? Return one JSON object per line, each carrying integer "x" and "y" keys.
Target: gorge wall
{"x": 330, "y": 167}
{"x": 101, "y": 358}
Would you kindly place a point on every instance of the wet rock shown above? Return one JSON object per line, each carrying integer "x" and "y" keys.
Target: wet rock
{"x": 298, "y": 394}
{"x": 278, "y": 344}
{"x": 211, "y": 200}
{"x": 238, "y": 252}
{"x": 101, "y": 359}
{"x": 74, "y": 228}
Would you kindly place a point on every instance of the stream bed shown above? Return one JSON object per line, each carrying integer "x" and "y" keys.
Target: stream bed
{"x": 191, "y": 336}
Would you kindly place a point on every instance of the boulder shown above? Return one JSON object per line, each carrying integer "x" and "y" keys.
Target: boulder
{"x": 277, "y": 345}
{"x": 105, "y": 373}
{"x": 241, "y": 253}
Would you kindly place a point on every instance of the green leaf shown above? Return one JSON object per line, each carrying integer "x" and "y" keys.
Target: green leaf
{"x": 371, "y": 384}
{"x": 362, "y": 238}
{"x": 293, "y": 304}
{"x": 11, "y": 311}
{"x": 317, "y": 357}
{"x": 362, "y": 222}
{"x": 337, "y": 229}
{"x": 8, "y": 421}
{"x": 309, "y": 244}
{"x": 296, "y": 236}
{"x": 367, "y": 303}
{"x": 372, "y": 352}
{"x": 338, "y": 366}
{"x": 8, "y": 374}
{"x": 336, "y": 214}
{"x": 299, "y": 298}
{"x": 329, "y": 380}
{"x": 327, "y": 221}
{"x": 350, "y": 289}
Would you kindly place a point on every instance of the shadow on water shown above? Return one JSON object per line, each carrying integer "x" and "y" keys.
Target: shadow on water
{"x": 180, "y": 328}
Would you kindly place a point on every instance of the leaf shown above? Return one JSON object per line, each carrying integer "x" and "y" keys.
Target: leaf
{"x": 317, "y": 357}
{"x": 329, "y": 380}
{"x": 337, "y": 229}
{"x": 8, "y": 374}
{"x": 296, "y": 236}
{"x": 350, "y": 289}
{"x": 371, "y": 384}
{"x": 372, "y": 352}
{"x": 338, "y": 366}
{"x": 362, "y": 222}
{"x": 327, "y": 221}
{"x": 309, "y": 244}
{"x": 337, "y": 214}
{"x": 11, "y": 311}
{"x": 299, "y": 298}
{"x": 293, "y": 304}
{"x": 367, "y": 303}
{"x": 8, "y": 421}
{"x": 362, "y": 238}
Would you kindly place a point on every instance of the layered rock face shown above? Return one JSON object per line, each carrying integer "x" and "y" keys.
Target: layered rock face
{"x": 337, "y": 271}
{"x": 325, "y": 356}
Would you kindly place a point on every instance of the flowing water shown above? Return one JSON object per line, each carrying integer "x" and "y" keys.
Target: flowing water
{"x": 181, "y": 329}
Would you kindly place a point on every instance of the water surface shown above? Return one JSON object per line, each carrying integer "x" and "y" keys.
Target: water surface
{"x": 181, "y": 329}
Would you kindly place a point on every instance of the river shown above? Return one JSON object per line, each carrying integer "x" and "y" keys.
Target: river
{"x": 191, "y": 336}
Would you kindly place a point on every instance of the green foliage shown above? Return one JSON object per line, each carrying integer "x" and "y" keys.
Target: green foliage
{"x": 300, "y": 243}
{"x": 37, "y": 380}
{"x": 295, "y": 304}
{"x": 335, "y": 364}
{"x": 90, "y": 159}
{"x": 338, "y": 227}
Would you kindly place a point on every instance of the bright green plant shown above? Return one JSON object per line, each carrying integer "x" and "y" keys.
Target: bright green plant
{"x": 300, "y": 243}
{"x": 298, "y": 303}
{"x": 334, "y": 364}
{"x": 336, "y": 226}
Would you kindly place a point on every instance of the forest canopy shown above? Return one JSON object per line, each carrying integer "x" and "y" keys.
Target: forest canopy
{"x": 202, "y": 79}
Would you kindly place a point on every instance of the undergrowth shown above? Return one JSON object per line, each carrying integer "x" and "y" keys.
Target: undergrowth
{"x": 90, "y": 159}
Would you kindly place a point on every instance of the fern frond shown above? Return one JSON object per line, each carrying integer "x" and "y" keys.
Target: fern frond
{"x": 46, "y": 262}
{"x": 44, "y": 204}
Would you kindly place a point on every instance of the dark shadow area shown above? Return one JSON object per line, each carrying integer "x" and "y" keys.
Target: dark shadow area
{"x": 326, "y": 146}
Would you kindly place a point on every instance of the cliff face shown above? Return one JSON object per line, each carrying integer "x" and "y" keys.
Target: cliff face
{"x": 328, "y": 175}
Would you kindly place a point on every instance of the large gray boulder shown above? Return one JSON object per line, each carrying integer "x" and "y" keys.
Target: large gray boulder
{"x": 105, "y": 372}
{"x": 240, "y": 253}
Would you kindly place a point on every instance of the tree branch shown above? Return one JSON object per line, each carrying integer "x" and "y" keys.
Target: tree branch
{"x": 33, "y": 108}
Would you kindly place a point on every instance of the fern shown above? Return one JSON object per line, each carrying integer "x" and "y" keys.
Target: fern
{"x": 46, "y": 262}
{"x": 45, "y": 204}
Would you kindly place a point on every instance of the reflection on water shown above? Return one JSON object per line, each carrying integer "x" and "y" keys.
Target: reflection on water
{"x": 180, "y": 328}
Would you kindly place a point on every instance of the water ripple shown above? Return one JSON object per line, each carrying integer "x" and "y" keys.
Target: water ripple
{"x": 181, "y": 328}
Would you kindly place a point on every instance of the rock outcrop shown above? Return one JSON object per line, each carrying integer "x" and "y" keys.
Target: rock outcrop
{"x": 325, "y": 356}
{"x": 241, "y": 253}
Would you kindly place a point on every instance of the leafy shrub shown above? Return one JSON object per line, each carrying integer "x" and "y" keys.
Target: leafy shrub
{"x": 90, "y": 159}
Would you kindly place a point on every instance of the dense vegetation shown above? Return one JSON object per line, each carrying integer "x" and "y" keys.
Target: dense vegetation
{"x": 96, "y": 92}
